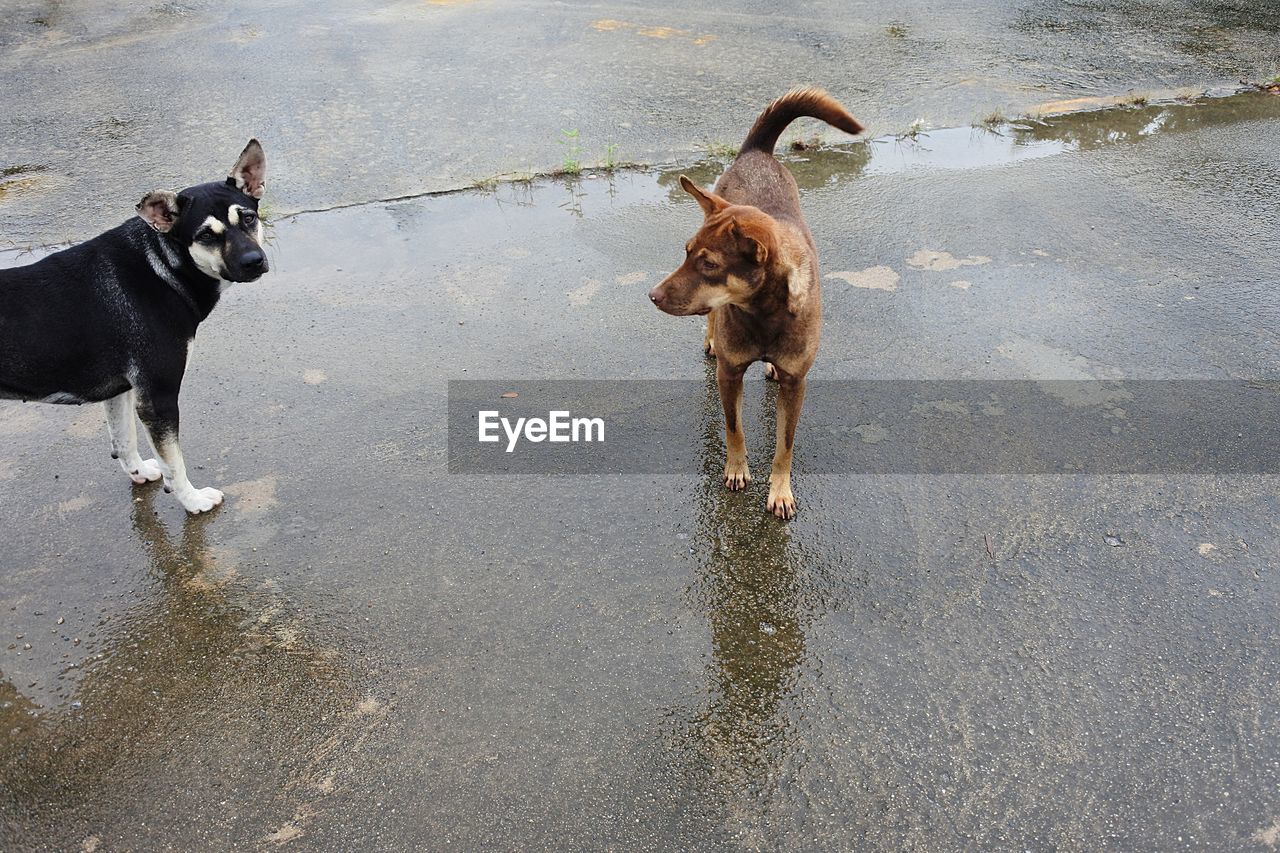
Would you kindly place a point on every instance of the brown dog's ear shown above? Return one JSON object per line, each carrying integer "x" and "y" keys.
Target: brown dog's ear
{"x": 710, "y": 203}
{"x": 753, "y": 246}
{"x": 159, "y": 209}
{"x": 249, "y": 174}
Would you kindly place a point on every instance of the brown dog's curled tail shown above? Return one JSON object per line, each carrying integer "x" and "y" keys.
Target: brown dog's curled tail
{"x": 809, "y": 101}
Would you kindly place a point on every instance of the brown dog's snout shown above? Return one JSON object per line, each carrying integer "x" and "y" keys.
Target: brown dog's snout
{"x": 658, "y": 295}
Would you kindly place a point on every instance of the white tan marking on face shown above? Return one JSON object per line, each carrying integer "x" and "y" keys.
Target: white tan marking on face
{"x": 233, "y": 214}
{"x": 207, "y": 259}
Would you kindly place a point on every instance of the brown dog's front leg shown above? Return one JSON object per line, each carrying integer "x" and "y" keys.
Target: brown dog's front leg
{"x": 782, "y": 502}
{"x": 709, "y": 342}
{"x": 729, "y": 380}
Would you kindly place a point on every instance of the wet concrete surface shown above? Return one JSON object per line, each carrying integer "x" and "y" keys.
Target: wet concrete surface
{"x": 360, "y": 649}
{"x": 363, "y": 101}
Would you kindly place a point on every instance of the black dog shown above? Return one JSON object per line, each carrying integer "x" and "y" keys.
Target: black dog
{"x": 113, "y": 320}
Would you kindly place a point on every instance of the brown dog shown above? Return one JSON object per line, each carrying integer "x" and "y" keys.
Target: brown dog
{"x": 753, "y": 267}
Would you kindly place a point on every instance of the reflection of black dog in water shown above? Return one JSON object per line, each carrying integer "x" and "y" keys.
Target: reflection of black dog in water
{"x": 174, "y": 560}
{"x": 113, "y": 320}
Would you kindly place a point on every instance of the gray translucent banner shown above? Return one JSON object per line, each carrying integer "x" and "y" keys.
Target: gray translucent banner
{"x": 872, "y": 427}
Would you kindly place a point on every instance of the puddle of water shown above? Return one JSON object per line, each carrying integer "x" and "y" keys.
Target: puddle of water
{"x": 956, "y": 148}
{"x": 1031, "y": 139}
{"x": 962, "y": 148}
{"x": 986, "y": 147}
{"x": 943, "y": 148}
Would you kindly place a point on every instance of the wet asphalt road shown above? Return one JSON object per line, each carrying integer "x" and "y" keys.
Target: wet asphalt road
{"x": 366, "y": 101}
{"x": 361, "y": 649}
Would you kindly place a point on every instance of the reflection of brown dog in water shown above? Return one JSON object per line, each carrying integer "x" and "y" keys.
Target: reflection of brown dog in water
{"x": 753, "y": 267}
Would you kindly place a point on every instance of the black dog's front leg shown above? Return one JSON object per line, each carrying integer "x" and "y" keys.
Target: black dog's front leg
{"x": 158, "y": 411}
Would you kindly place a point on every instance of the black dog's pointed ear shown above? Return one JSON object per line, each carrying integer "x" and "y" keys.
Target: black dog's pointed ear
{"x": 159, "y": 209}
{"x": 249, "y": 174}
{"x": 710, "y": 203}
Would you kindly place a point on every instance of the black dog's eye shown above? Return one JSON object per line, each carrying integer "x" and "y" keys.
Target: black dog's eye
{"x": 247, "y": 218}
{"x": 206, "y": 235}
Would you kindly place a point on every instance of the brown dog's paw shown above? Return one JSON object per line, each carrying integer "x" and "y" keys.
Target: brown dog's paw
{"x": 782, "y": 503}
{"x": 736, "y": 476}
{"x": 770, "y": 372}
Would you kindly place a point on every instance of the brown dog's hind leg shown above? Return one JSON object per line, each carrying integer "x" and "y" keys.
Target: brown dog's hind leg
{"x": 709, "y": 342}
{"x": 729, "y": 380}
{"x": 782, "y": 502}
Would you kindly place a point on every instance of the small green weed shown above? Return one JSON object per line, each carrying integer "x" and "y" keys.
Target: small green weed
{"x": 572, "y": 163}
{"x": 913, "y": 131}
